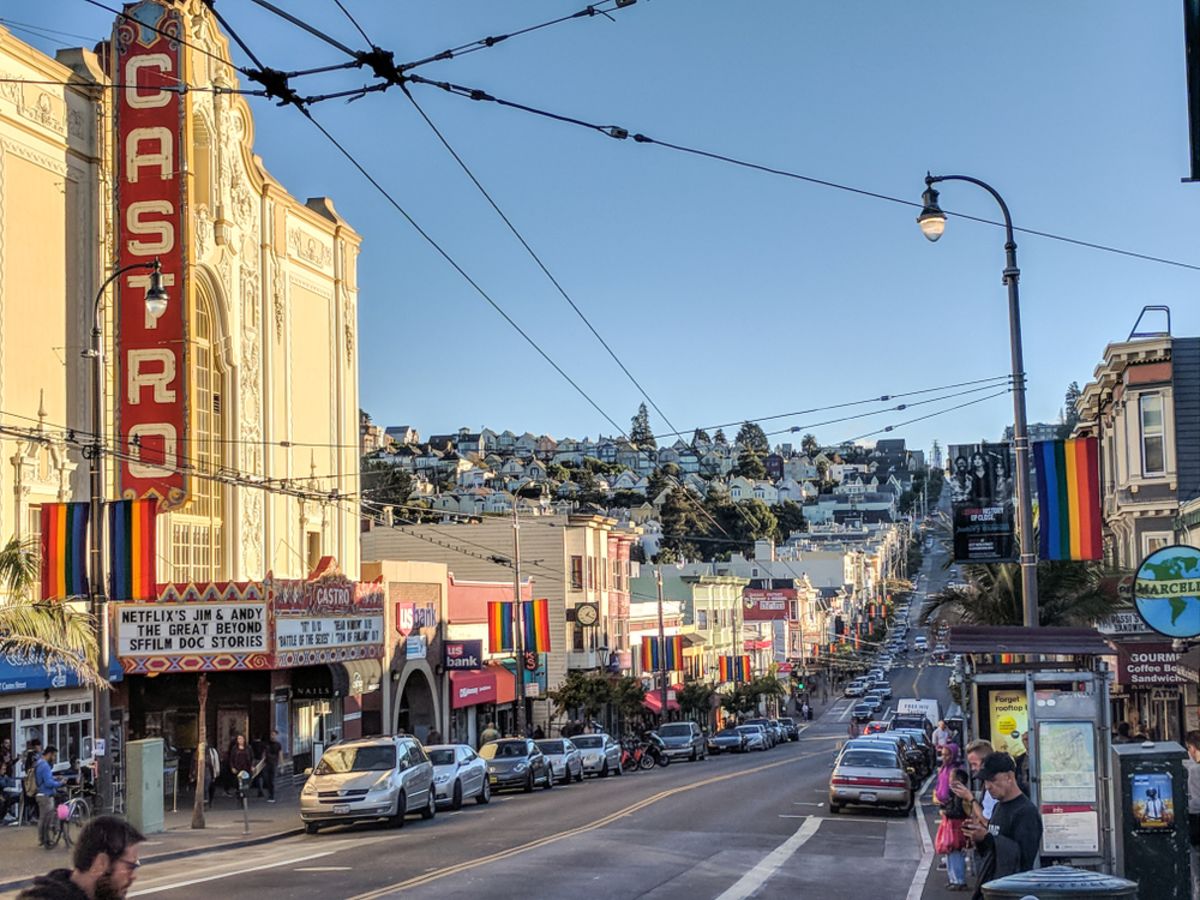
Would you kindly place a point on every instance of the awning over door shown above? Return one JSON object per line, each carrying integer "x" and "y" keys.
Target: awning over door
{"x": 356, "y": 676}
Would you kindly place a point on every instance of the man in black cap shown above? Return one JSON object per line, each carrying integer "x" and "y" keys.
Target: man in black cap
{"x": 1013, "y": 835}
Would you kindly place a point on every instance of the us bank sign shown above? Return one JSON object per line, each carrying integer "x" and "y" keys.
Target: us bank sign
{"x": 150, "y": 192}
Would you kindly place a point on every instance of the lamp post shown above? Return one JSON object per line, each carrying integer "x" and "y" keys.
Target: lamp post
{"x": 156, "y": 305}
{"x": 932, "y": 221}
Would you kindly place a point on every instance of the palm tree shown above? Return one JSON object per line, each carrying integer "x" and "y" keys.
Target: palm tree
{"x": 53, "y": 633}
{"x": 1069, "y": 593}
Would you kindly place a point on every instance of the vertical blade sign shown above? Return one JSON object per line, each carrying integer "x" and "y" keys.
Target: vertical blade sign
{"x": 150, "y": 197}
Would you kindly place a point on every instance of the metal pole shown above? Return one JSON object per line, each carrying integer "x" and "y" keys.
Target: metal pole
{"x": 662, "y": 643}
{"x": 519, "y": 642}
{"x": 97, "y": 590}
{"x": 1012, "y": 275}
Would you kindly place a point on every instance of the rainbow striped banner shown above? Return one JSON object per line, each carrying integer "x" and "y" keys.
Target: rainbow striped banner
{"x": 500, "y": 627}
{"x": 64, "y": 549}
{"x": 1068, "y": 478}
{"x": 131, "y": 548}
{"x": 536, "y": 616}
{"x": 674, "y": 649}
{"x": 735, "y": 668}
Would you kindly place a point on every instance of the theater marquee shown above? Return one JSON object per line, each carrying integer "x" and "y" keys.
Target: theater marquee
{"x": 150, "y": 193}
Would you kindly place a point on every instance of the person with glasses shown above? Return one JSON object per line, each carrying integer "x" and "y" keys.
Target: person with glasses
{"x": 105, "y": 865}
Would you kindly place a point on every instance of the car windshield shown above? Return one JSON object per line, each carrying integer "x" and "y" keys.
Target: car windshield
{"x": 552, "y": 747}
{"x": 757, "y": 721}
{"x": 747, "y": 729}
{"x": 867, "y": 759}
{"x": 503, "y": 750}
{"x": 788, "y": 720}
{"x": 675, "y": 729}
{"x": 729, "y": 732}
{"x": 441, "y": 757}
{"x": 589, "y": 742}
{"x": 340, "y": 760}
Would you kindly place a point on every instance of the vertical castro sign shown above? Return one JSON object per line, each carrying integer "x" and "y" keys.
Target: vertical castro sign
{"x": 150, "y": 193}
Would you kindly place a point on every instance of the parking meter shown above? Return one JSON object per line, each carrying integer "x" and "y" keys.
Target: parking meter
{"x": 1150, "y": 809}
{"x": 243, "y": 792}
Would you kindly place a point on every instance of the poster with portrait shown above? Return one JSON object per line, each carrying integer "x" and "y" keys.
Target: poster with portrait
{"x": 1153, "y": 802}
{"x": 982, "y": 497}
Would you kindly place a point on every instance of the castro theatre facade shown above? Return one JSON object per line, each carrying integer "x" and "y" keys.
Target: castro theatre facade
{"x": 237, "y": 408}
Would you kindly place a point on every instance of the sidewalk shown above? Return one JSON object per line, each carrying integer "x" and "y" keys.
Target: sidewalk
{"x": 21, "y": 859}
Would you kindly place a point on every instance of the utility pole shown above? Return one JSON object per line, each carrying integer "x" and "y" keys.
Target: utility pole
{"x": 662, "y": 642}
{"x": 518, "y": 623}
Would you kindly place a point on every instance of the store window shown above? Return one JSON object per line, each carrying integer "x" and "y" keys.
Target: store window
{"x": 1150, "y": 407}
{"x": 196, "y": 539}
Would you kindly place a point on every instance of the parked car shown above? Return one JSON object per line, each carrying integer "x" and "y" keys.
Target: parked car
{"x": 459, "y": 773}
{"x": 565, "y": 759}
{"x": 869, "y": 773}
{"x": 601, "y": 754}
{"x": 516, "y": 763}
{"x": 729, "y": 740}
{"x": 773, "y": 734}
{"x": 790, "y": 728}
{"x": 683, "y": 739}
{"x": 756, "y": 737}
{"x": 921, "y": 737}
{"x": 371, "y": 778}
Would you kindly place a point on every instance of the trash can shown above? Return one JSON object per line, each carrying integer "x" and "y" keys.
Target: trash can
{"x": 1059, "y": 883}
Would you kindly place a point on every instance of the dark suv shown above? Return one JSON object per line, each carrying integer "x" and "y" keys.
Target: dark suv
{"x": 684, "y": 739}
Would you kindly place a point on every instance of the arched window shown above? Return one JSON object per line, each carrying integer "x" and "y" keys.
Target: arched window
{"x": 197, "y": 538}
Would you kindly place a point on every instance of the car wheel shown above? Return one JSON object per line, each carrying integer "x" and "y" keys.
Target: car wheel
{"x": 430, "y": 809}
{"x": 604, "y": 770}
{"x": 456, "y": 800}
{"x": 529, "y": 784}
{"x": 549, "y": 778}
{"x": 692, "y": 758}
{"x": 566, "y": 779}
{"x": 485, "y": 793}
{"x": 834, "y": 808}
{"x": 311, "y": 827}
{"x": 579, "y": 777}
{"x": 397, "y": 820}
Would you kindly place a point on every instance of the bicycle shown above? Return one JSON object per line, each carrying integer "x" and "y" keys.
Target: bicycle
{"x": 78, "y": 811}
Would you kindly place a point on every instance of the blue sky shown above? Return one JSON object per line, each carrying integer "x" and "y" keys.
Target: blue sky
{"x": 732, "y": 294}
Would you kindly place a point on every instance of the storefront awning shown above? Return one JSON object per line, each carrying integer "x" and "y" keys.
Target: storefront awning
{"x": 990, "y": 639}
{"x": 356, "y": 676}
{"x": 653, "y": 702}
{"x": 494, "y": 684}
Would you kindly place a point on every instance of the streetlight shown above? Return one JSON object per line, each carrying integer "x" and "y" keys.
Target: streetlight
{"x": 156, "y": 304}
{"x": 932, "y": 221}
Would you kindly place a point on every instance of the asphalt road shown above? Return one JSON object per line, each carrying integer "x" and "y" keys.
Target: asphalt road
{"x": 730, "y": 827}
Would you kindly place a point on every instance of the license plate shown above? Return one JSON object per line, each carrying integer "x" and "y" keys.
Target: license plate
{"x": 492, "y": 779}
{"x": 867, "y": 798}
{"x": 341, "y": 809}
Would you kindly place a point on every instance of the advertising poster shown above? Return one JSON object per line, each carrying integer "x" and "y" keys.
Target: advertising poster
{"x": 1008, "y": 715}
{"x": 982, "y": 494}
{"x": 1070, "y": 810}
{"x": 1153, "y": 803}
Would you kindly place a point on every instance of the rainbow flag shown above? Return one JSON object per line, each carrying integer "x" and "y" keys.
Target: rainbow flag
{"x": 735, "y": 668}
{"x": 500, "y": 627}
{"x": 131, "y": 550}
{"x": 64, "y": 549}
{"x": 536, "y": 615}
{"x": 674, "y": 650}
{"x": 724, "y": 669}
{"x": 1068, "y": 478}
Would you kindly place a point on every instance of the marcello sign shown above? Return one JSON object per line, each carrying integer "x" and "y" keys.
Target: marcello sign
{"x": 1166, "y": 591}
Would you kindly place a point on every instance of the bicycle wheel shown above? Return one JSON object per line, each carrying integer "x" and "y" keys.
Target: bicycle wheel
{"x": 78, "y": 813}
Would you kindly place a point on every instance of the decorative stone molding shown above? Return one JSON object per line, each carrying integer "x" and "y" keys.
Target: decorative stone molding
{"x": 16, "y": 148}
{"x": 309, "y": 248}
{"x": 39, "y": 106}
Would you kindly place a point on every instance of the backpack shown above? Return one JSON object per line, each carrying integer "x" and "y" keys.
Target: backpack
{"x": 30, "y": 783}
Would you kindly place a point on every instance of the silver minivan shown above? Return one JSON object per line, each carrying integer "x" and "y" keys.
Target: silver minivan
{"x": 371, "y": 778}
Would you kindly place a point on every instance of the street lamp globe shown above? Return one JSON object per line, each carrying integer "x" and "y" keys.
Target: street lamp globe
{"x": 932, "y": 220}
{"x": 156, "y": 294}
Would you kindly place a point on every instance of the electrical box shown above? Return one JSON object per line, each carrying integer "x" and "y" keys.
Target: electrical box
{"x": 1151, "y": 821}
{"x": 144, "y": 792}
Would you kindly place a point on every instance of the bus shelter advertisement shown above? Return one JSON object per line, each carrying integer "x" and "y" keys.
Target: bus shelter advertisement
{"x": 981, "y": 494}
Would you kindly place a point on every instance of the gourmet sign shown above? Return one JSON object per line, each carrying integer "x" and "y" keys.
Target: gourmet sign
{"x": 151, "y": 202}
{"x": 1147, "y": 665}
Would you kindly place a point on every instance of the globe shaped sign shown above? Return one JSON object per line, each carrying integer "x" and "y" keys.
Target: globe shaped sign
{"x": 1166, "y": 591}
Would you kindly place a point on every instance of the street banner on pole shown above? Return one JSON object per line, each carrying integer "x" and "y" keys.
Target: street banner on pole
{"x": 63, "y": 550}
{"x": 500, "y": 627}
{"x": 982, "y": 496}
{"x": 1068, "y": 480}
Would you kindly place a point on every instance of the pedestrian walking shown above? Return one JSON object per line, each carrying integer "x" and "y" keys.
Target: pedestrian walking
{"x": 240, "y": 759}
{"x": 941, "y": 736}
{"x": 489, "y": 734}
{"x": 104, "y": 865}
{"x": 950, "y": 840}
{"x": 805, "y": 712}
{"x": 47, "y": 788}
{"x": 1009, "y": 843}
{"x": 272, "y": 756}
{"x": 1192, "y": 764}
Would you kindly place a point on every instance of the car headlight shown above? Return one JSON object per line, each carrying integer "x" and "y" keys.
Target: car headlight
{"x": 310, "y": 789}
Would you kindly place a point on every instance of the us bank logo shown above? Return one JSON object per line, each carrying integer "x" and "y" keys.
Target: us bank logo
{"x": 1166, "y": 591}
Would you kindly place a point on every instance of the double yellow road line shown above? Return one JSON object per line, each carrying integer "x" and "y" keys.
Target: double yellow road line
{"x": 427, "y": 877}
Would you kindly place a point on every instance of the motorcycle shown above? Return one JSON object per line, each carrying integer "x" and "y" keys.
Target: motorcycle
{"x": 655, "y": 751}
